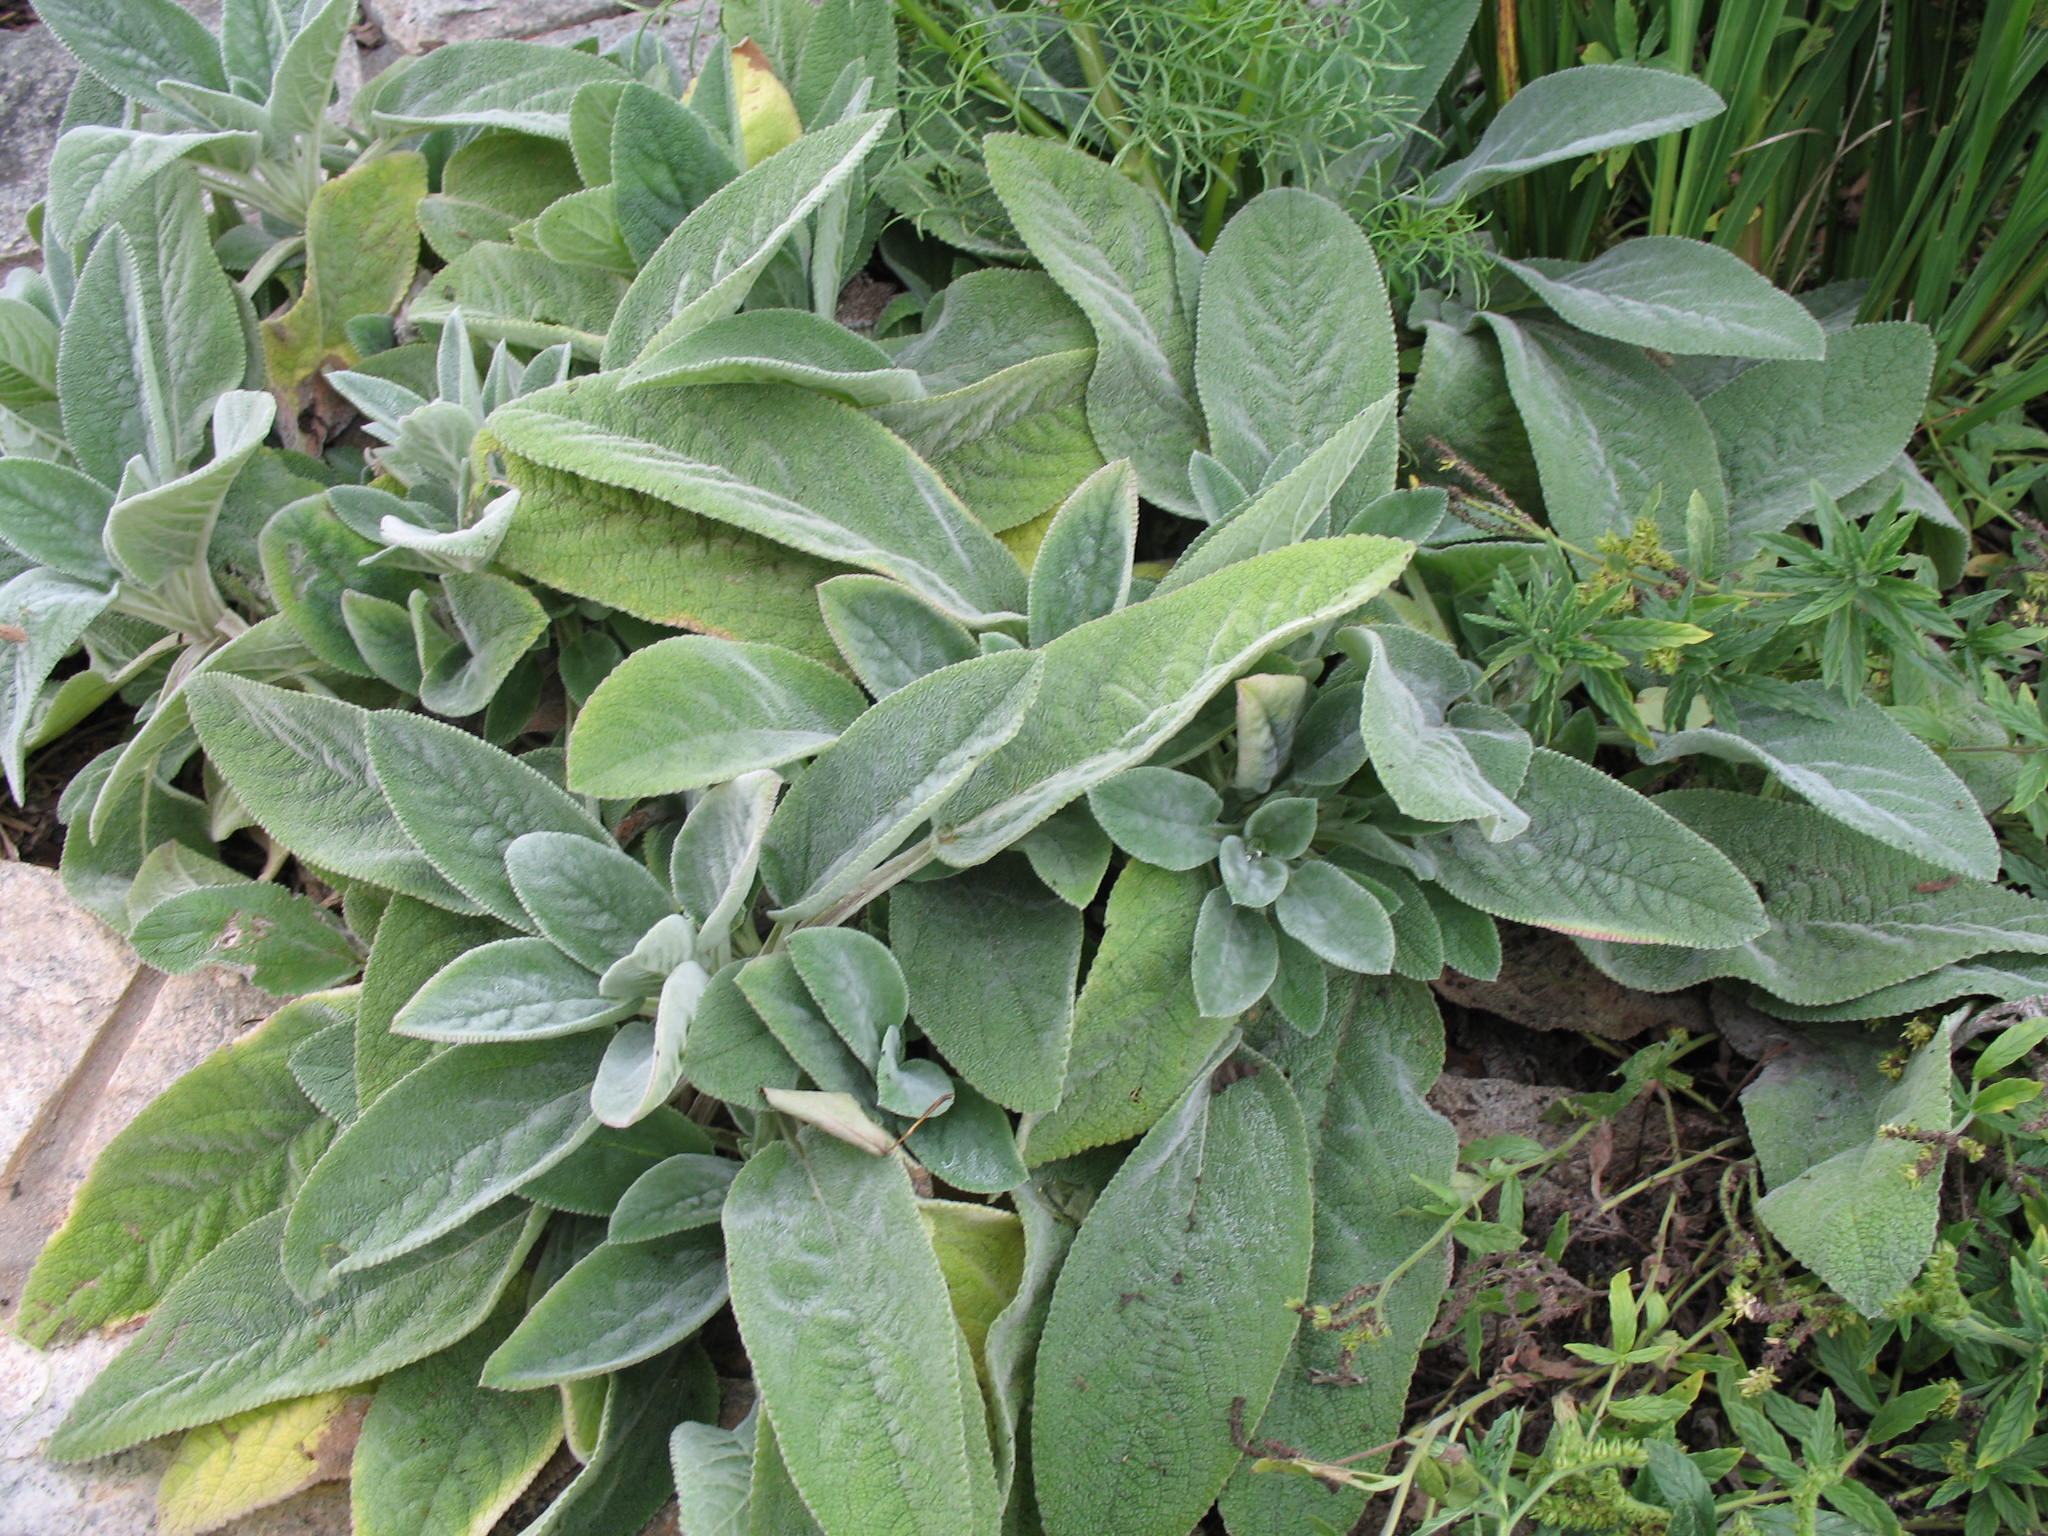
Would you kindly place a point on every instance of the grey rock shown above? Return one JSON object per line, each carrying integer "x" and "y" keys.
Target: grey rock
{"x": 115, "y": 1496}
{"x": 418, "y": 25}
{"x": 690, "y": 27}
{"x": 35, "y": 78}
{"x": 38, "y": 1498}
{"x": 92, "y": 1036}
{"x": 61, "y": 976}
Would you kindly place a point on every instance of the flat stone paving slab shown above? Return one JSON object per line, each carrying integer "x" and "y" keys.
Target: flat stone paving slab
{"x": 90, "y": 1036}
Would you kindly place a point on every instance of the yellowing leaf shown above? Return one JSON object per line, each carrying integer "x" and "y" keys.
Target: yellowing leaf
{"x": 362, "y": 249}
{"x": 1024, "y": 540}
{"x": 981, "y": 1254}
{"x": 768, "y": 119}
{"x": 223, "y": 1471}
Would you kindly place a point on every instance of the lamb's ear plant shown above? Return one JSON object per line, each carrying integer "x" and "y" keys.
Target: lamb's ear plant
{"x": 145, "y": 516}
{"x": 136, "y": 479}
{"x": 248, "y": 111}
{"x": 988, "y": 953}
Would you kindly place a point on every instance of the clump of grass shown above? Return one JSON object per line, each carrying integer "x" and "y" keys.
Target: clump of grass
{"x": 1891, "y": 143}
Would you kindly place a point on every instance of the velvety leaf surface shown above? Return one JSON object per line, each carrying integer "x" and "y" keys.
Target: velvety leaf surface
{"x": 1612, "y": 433}
{"x": 254, "y": 1459}
{"x": 2005, "y": 978}
{"x": 626, "y": 1480}
{"x": 276, "y": 937}
{"x": 463, "y": 803}
{"x": 232, "y": 1336}
{"x": 301, "y": 765}
{"x": 1005, "y": 1021}
{"x": 1116, "y": 689}
{"x": 508, "y": 293}
{"x": 665, "y": 160}
{"x": 1117, "y": 253}
{"x": 1361, "y": 1084}
{"x": 1853, "y": 762}
{"x": 414, "y": 941}
{"x": 151, "y": 278}
{"x": 1171, "y": 1307}
{"x": 847, "y": 1321}
{"x": 986, "y": 321}
{"x": 440, "y": 1145}
{"x": 1677, "y": 296}
{"x": 324, "y": 1067}
{"x": 157, "y": 533}
{"x": 1572, "y": 113}
{"x": 1782, "y": 426}
{"x": 711, "y": 867}
{"x": 362, "y": 252}
{"x": 675, "y": 1195}
{"x": 224, "y": 1144}
{"x": 493, "y": 83}
{"x": 1295, "y": 506}
{"x": 1083, "y": 567}
{"x": 1854, "y": 1216}
{"x": 441, "y": 1455}
{"x": 1847, "y": 914}
{"x": 1296, "y": 337}
{"x": 1138, "y": 1032}
{"x": 722, "y": 454}
{"x": 619, "y": 1305}
{"x": 1601, "y": 861}
{"x": 891, "y": 769}
{"x": 656, "y": 561}
{"x": 592, "y": 901}
{"x": 1013, "y": 444}
{"x": 1425, "y": 763}
{"x": 509, "y": 989}
{"x": 595, "y": 1178}
{"x": 888, "y": 634}
{"x": 53, "y": 612}
{"x": 780, "y": 346}
{"x": 714, "y": 1471}
{"x": 748, "y": 707}
{"x": 705, "y": 269}
{"x": 135, "y": 47}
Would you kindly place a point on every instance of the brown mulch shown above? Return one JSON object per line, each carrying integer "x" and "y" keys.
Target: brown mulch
{"x": 30, "y": 832}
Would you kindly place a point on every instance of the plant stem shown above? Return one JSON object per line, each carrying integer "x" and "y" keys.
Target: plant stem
{"x": 1507, "y": 52}
{"x": 267, "y": 264}
{"x": 987, "y": 79}
{"x": 1217, "y": 203}
{"x": 1109, "y": 107}
{"x": 1665, "y": 1173}
{"x": 1444, "y": 1426}
{"x": 250, "y": 190}
{"x": 900, "y": 868}
{"x": 1993, "y": 328}
{"x": 1224, "y": 183}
